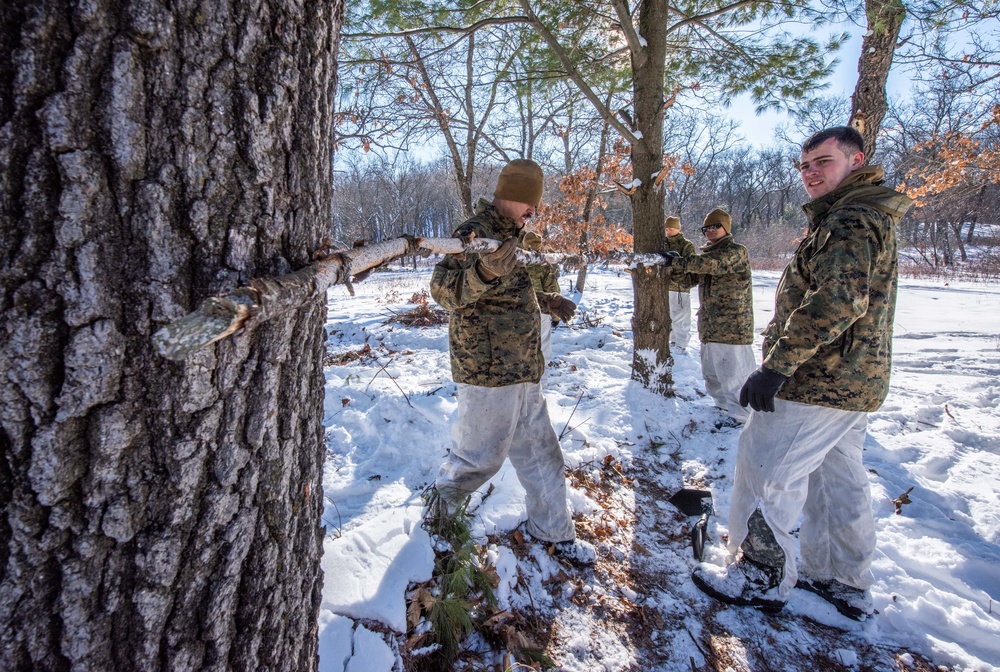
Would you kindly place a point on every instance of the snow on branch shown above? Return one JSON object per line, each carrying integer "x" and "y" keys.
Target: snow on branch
{"x": 264, "y": 298}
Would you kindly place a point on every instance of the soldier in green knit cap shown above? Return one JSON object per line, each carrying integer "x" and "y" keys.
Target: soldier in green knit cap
{"x": 679, "y": 286}
{"x": 725, "y": 314}
{"x": 545, "y": 281}
{"x": 494, "y": 337}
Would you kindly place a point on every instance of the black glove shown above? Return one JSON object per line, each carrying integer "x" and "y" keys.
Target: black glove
{"x": 669, "y": 256}
{"x": 760, "y": 388}
{"x": 494, "y": 264}
{"x": 562, "y": 308}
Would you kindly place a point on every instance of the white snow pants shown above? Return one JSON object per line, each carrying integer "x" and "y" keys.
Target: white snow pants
{"x": 547, "y": 338}
{"x": 510, "y": 421}
{"x": 725, "y": 368}
{"x": 680, "y": 318}
{"x": 807, "y": 459}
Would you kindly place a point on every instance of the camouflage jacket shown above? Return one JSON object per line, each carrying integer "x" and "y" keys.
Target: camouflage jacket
{"x": 722, "y": 273}
{"x": 544, "y": 281}
{"x": 684, "y": 247}
{"x": 832, "y": 325}
{"x": 494, "y": 329}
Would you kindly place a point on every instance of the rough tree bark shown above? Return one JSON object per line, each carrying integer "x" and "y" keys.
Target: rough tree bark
{"x": 158, "y": 515}
{"x": 869, "y": 103}
{"x": 651, "y": 318}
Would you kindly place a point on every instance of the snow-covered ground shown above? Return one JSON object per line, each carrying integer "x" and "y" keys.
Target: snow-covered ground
{"x": 937, "y": 567}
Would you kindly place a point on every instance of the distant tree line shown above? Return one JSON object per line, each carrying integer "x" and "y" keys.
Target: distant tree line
{"x": 485, "y": 85}
{"x": 375, "y": 198}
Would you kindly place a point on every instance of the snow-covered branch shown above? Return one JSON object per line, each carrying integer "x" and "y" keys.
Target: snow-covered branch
{"x": 264, "y": 298}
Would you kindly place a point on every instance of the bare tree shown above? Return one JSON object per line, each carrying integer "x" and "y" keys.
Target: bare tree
{"x": 376, "y": 200}
{"x": 699, "y": 141}
{"x": 159, "y": 516}
{"x": 928, "y": 144}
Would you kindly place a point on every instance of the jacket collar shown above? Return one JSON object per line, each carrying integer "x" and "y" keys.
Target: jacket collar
{"x": 816, "y": 209}
{"x": 721, "y": 242}
{"x": 505, "y": 226}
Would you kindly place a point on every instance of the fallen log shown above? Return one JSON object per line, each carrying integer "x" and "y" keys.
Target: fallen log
{"x": 246, "y": 307}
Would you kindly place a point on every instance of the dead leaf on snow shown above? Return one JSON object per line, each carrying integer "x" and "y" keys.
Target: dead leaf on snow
{"x": 902, "y": 499}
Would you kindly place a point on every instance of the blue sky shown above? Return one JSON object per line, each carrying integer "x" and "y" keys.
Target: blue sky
{"x": 759, "y": 129}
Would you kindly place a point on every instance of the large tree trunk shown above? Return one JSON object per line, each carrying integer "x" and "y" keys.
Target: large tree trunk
{"x": 651, "y": 318}
{"x": 869, "y": 103}
{"x": 157, "y": 515}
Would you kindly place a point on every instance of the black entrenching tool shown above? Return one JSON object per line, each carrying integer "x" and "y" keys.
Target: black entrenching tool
{"x": 693, "y": 502}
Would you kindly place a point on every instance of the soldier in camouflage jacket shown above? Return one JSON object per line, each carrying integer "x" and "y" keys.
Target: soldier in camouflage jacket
{"x": 831, "y": 334}
{"x": 725, "y": 316}
{"x": 827, "y": 355}
{"x": 493, "y": 326}
{"x": 496, "y": 360}
{"x": 546, "y": 283}
{"x": 678, "y": 285}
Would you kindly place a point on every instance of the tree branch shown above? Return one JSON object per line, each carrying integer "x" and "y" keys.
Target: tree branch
{"x": 631, "y": 36}
{"x": 575, "y": 75}
{"x": 465, "y": 30}
{"x": 246, "y": 307}
{"x": 701, "y": 18}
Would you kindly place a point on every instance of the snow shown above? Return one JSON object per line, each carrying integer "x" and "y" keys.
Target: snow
{"x": 371, "y": 654}
{"x": 388, "y": 424}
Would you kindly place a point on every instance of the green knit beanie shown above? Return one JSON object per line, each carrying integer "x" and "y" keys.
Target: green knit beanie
{"x": 520, "y": 181}
{"x": 720, "y": 216}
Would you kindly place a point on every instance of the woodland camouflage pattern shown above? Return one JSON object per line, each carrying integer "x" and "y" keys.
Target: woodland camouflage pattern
{"x": 543, "y": 279}
{"x": 722, "y": 273}
{"x": 494, "y": 327}
{"x": 832, "y": 326}
{"x": 684, "y": 247}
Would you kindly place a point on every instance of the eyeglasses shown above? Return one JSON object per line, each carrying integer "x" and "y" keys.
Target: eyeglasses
{"x": 710, "y": 227}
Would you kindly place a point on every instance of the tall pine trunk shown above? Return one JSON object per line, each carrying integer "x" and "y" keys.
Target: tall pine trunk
{"x": 155, "y": 515}
{"x": 878, "y": 46}
{"x": 651, "y": 314}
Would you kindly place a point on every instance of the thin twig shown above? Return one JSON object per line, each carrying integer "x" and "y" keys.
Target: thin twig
{"x": 382, "y": 369}
{"x": 696, "y": 644}
{"x": 340, "y": 520}
{"x": 578, "y": 400}
{"x": 574, "y": 427}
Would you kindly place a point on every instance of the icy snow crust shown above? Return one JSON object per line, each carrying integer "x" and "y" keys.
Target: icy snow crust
{"x": 937, "y": 566}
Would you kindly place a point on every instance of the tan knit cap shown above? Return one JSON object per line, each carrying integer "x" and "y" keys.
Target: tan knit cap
{"x": 531, "y": 241}
{"x": 673, "y": 223}
{"x": 520, "y": 181}
{"x": 720, "y": 216}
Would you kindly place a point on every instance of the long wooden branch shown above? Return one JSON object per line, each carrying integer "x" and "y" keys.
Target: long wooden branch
{"x": 264, "y": 298}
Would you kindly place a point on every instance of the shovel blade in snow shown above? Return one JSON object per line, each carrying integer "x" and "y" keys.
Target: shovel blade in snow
{"x": 699, "y": 535}
{"x": 692, "y": 502}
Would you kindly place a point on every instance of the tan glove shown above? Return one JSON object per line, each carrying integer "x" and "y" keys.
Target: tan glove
{"x": 532, "y": 241}
{"x": 494, "y": 264}
{"x": 562, "y": 308}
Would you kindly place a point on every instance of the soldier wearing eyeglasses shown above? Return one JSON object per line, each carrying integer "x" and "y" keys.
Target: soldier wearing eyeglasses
{"x": 725, "y": 317}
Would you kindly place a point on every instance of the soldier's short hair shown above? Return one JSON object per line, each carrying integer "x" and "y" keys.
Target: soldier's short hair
{"x": 846, "y": 136}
